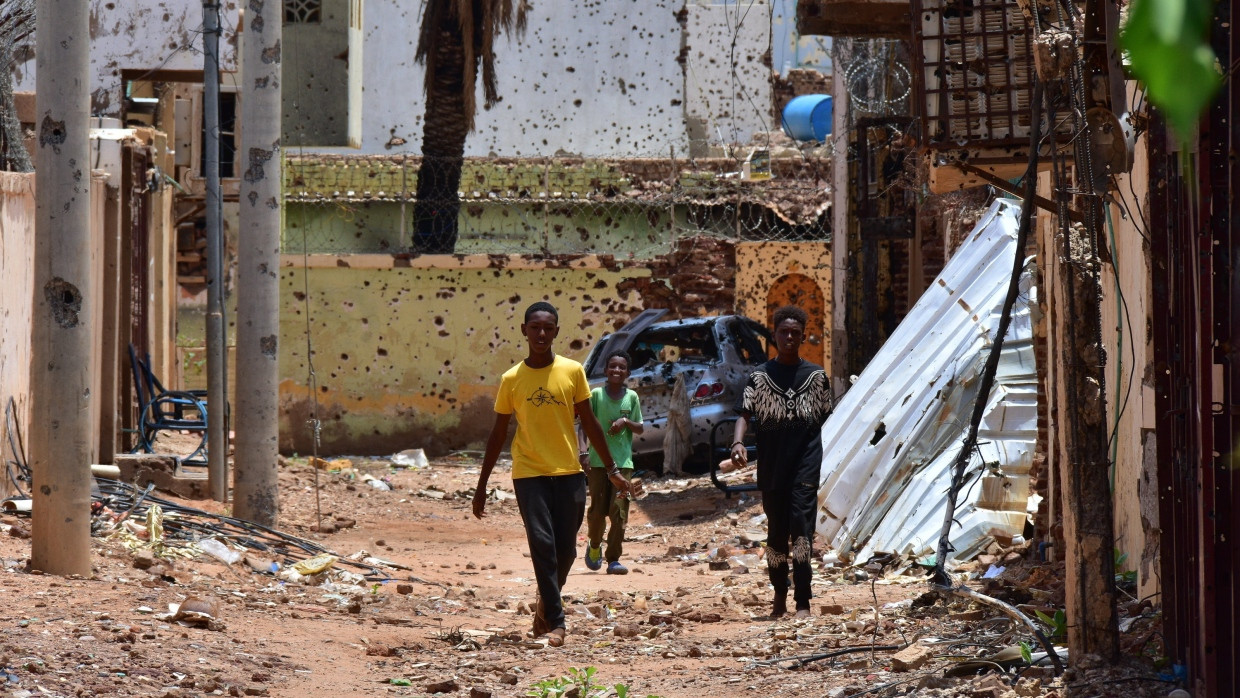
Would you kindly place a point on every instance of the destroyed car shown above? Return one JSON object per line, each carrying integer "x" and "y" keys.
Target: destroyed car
{"x": 715, "y": 354}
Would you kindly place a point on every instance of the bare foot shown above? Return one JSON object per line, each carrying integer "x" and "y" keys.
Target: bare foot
{"x": 802, "y": 613}
{"x": 553, "y": 638}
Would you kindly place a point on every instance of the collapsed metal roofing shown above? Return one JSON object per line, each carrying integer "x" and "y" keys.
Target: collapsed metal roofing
{"x": 890, "y": 444}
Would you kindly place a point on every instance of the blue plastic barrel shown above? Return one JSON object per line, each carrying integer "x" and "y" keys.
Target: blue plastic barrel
{"x": 808, "y": 117}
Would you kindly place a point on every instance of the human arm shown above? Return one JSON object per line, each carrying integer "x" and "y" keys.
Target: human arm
{"x": 633, "y": 416}
{"x": 594, "y": 432}
{"x": 740, "y": 455}
{"x": 499, "y": 432}
{"x": 625, "y": 423}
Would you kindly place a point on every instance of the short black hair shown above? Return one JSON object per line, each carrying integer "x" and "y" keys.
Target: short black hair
{"x": 541, "y": 307}
{"x": 790, "y": 312}
{"x": 628, "y": 360}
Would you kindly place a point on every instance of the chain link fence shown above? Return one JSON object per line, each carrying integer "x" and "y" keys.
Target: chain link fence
{"x": 628, "y": 207}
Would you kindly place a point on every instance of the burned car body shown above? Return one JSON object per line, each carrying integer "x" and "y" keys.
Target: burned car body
{"x": 715, "y": 354}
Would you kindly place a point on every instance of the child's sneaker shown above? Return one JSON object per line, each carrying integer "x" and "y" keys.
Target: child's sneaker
{"x": 614, "y": 567}
{"x": 594, "y": 557}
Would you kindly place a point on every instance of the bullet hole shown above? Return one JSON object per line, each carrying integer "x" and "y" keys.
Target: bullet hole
{"x": 514, "y": 299}
{"x": 575, "y": 345}
{"x": 381, "y": 351}
{"x": 65, "y": 302}
{"x": 323, "y": 389}
{"x": 447, "y": 362}
{"x": 365, "y": 321}
{"x": 301, "y": 297}
{"x": 52, "y": 133}
{"x": 344, "y": 357}
{"x": 576, "y": 102}
{"x": 268, "y": 345}
{"x": 879, "y": 433}
{"x": 439, "y": 321}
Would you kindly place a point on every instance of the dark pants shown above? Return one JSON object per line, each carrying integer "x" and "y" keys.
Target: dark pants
{"x": 552, "y": 508}
{"x": 790, "y": 519}
{"x": 605, "y": 506}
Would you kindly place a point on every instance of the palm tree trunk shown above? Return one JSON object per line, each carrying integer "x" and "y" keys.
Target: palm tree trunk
{"x": 443, "y": 147}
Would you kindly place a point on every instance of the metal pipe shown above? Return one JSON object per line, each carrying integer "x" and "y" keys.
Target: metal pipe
{"x": 217, "y": 329}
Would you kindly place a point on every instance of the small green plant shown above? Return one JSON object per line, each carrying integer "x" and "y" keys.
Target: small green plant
{"x": 580, "y": 683}
{"x": 1026, "y": 652}
{"x": 1127, "y": 578}
{"x": 1058, "y": 623}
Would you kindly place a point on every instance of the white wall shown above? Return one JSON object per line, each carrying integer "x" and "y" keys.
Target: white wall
{"x": 589, "y": 77}
{"x": 146, "y": 35}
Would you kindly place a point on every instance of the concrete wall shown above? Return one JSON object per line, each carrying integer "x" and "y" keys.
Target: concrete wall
{"x": 409, "y": 356}
{"x": 594, "y": 78}
{"x": 17, "y": 213}
{"x": 773, "y": 274}
{"x": 146, "y": 36}
{"x": 1126, "y": 311}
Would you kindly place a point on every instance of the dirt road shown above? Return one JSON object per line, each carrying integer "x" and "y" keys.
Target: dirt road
{"x": 689, "y": 620}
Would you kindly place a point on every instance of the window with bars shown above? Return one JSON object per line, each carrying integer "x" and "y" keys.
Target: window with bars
{"x": 303, "y": 11}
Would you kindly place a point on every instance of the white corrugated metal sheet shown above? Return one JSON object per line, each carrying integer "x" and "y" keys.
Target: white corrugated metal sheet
{"x": 889, "y": 447}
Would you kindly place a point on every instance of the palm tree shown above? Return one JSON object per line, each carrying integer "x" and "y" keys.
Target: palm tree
{"x": 456, "y": 35}
{"x": 16, "y": 27}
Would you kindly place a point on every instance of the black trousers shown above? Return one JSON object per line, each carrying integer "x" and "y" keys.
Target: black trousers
{"x": 552, "y": 508}
{"x": 790, "y": 536}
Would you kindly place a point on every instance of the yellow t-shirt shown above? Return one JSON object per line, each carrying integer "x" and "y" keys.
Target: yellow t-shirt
{"x": 542, "y": 400}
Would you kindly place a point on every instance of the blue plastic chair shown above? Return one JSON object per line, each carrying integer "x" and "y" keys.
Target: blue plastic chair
{"x": 181, "y": 411}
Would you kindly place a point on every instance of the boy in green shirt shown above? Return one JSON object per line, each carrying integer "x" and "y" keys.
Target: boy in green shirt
{"x": 619, "y": 411}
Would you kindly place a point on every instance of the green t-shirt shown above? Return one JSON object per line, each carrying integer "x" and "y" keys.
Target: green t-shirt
{"x": 608, "y": 410}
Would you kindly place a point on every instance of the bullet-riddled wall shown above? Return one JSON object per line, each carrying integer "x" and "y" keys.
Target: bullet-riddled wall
{"x": 773, "y": 274}
{"x": 409, "y": 356}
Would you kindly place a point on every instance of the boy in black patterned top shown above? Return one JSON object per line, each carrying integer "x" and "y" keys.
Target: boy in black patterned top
{"x": 786, "y": 400}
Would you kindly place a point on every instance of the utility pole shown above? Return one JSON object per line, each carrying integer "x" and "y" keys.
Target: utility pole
{"x": 217, "y": 329}
{"x": 258, "y": 261}
{"x": 63, "y": 336}
{"x": 1089, "y": 528}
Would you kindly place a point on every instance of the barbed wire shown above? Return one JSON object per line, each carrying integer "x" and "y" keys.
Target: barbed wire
{"x": 630, "y": 206}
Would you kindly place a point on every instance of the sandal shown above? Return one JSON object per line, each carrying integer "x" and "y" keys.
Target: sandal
{"x": 552, "y": 638}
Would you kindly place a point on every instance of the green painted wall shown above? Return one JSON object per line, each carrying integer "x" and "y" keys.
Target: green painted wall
{"x": 409, "y": 357}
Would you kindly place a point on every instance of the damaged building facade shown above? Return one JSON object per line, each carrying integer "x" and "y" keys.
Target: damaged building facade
{"x": 609, "y": 178}
{"x": 1133, "y": 329}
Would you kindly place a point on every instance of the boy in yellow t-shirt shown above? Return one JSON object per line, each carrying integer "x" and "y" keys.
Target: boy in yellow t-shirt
{"x": 544, "y": 392}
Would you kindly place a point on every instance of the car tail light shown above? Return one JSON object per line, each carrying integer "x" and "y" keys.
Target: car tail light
{"x": 706, "y": 390}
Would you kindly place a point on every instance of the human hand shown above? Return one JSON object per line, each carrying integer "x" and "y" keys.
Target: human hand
{"x": 623, "y": 488}
{"x": 740, "y": 455}
{"x": 480, "y": 502}
{"x": 618, "y": 426}
{"x": 583, "y": 458}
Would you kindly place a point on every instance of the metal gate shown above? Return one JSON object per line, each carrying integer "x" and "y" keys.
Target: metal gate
{"x": 1195, "y": 251}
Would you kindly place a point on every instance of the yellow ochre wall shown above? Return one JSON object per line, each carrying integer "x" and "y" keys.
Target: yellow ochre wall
{"x": 407, "y": 353}
{"x": 772, "y": 274}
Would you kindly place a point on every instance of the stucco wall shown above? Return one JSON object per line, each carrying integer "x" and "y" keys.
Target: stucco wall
{"x": 596, "y": 78}
{"x": 17, "y": 213}
{"x": 147, "y": 36}
{"x": 772, "y": 274}
{"x": 409, "y": 356}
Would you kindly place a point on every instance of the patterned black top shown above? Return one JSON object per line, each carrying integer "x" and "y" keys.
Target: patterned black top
{"x": 786, "y": 406}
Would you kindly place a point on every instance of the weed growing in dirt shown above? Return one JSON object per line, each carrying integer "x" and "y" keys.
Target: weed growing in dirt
{"x": 579, "y": 683}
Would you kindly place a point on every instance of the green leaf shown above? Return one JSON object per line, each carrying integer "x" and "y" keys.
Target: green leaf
{"x": 401, "y": 682}
{"x": 1166, "y": 42}
{"x": 1026, "y": 652}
